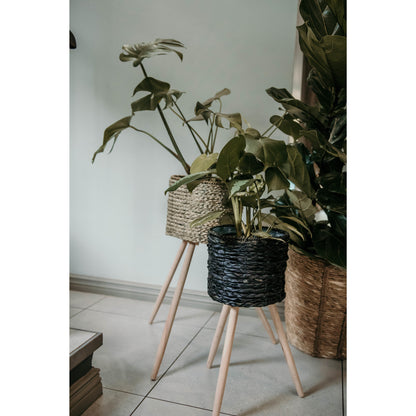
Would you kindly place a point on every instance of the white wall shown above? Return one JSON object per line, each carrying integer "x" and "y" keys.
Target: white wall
{"x": 118, "y": 207}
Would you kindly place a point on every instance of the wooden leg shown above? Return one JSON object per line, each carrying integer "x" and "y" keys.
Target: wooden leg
{"x": 266, "y": 324}
{"x": 225, "y": 361}
{"x": 286, "y": 349}
{"x": 218, "y": 334}
{"x": 165, "y": 286}
{"x": 172, "y": 310}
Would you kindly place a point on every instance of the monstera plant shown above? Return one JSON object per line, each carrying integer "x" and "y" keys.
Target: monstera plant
{"x": 319, "y": 134}
{"x": 158, "y": 92}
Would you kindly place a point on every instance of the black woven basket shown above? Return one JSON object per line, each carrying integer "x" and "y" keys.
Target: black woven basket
{"x": 246, "y": 272}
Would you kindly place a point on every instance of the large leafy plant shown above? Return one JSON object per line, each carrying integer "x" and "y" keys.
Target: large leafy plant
{"x": 319, "y": 134}
{"x": 251, "y": 165}
{"x": 158, "y": 92}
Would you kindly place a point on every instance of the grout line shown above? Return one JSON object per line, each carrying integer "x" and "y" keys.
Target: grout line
{"x": 173, "y": 362}
{"x": 122, "y": 391}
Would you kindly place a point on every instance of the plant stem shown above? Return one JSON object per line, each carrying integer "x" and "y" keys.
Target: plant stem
{"x": 172, "y": 139}
{"x": 237, "y": 216}
{"x": 216, "y": 128}
{"x": 156, "y": 140}
{"x": 189, "y": 127}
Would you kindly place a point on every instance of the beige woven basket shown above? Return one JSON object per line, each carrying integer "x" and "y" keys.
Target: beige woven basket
{"x": 184, "y": 207}
{"x": 316, "y": 306}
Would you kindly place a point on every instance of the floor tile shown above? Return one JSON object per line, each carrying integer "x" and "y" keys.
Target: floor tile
{"x": 83, "y": 299}
{"x": 74, "y": 311}
{"x": 143, "y": 309}
{"x": 152, "y": 407}
{"x": 129, "y": 348}
{"x": 258, "y": 383}
{"x": 113, "y": 403}
{"x": 344, "y": 385}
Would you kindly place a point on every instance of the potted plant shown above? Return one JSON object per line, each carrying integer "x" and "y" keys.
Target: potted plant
{"x": 315, "y": 305}
{"x": 182, "y": 206}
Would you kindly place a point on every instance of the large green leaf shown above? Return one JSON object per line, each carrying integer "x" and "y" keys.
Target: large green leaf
{"x": 276, "y": 179}
{"x": 234, "y": 120}
{"x": 325, "y": 94}
{"x": 335, "y": 49}
{"x": 271, "y": 152}
{"x": 314, "y": 53}
{"x": 152, "y": 85}
{"x": 140, "y": 51}
{"x": 298, "y": 173}
{"x": 188, "y": 179}
{"x": 332, "y": 201}
{"x": 203, "y": 162}
{"x": 249, "y": 164}
{"x": 329, "y": 245}
{"x": 111, "y": 132}
{"x": 229, "y": 157}
{"x": 287, "y": 125}
{"x": 239, "y": 185}
{"x": 297, "y": 108}
{"x": 209, "y": 216}
{"x": 305, "y": 206}
{"x": 159, "y": 90}
{"x": 320, "y": 17}
{"x": 217, "y": 96}
{"x": 339, "y": 9}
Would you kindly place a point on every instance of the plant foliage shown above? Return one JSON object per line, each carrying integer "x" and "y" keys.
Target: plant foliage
{"x": 319, "y": 156}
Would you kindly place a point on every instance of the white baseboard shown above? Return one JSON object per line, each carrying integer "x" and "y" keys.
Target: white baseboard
{"x": 142, "y": 291}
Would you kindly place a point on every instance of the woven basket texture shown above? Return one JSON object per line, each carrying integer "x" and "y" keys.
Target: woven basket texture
{"x": 316, "y": 306}
{"x": 246, "y": 272}
{"x": 184, "y": 207}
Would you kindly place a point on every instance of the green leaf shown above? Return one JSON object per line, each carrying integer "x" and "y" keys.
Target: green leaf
{"x": 147, "y": 103}
{"x": 239, "y": 185}
{"x": 229, "y": 157}
{"x": 274, "y": 152}
{"x": 298, "y": 173}
{"x": 252, "y": 133}
{"x": 335, "y": 48}
{"x": 332, "y": 201}
{"x": 329, "y": 245}
{"x": 249, "y": 164}
{"x": 304, "y": 204}
{"x": 297, "y": 108}
{"x": 203, "y": 162}
{"x": 113, "y": 131}
{"x": 188, "y": 179}
{"x": 203, "y": 219}
{"x": 152, "y": 85}
{"x": 234, "y": 120}
{"x": 140, "y": 51}
{"x": 314, "y": 53}
{"x": 287, "y": 126}
{"x": 275, "y": 179}
{"x": 217, "y": 96}
{"x": 158, "y": 90}
{"x": 320, "y": 17}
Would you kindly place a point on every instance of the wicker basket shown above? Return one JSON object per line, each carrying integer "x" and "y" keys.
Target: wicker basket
{"x": 315, "y": 306}
{"x": 184, "y": 207}
{"x": 246, "y": 272}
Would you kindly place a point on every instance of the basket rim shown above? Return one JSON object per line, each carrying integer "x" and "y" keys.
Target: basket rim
{"x": 229, "y": 232}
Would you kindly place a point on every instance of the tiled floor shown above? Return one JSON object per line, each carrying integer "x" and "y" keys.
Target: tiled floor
{"x": 258, "y": 383}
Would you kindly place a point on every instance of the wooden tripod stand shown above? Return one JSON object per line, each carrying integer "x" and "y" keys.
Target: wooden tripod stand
{"x": 175, "y": 302}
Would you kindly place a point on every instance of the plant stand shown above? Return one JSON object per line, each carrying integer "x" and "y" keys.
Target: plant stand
{"x": 246, "y": 272}
{"x": 175, "y": 302}
{"x": 226, "y": 353}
